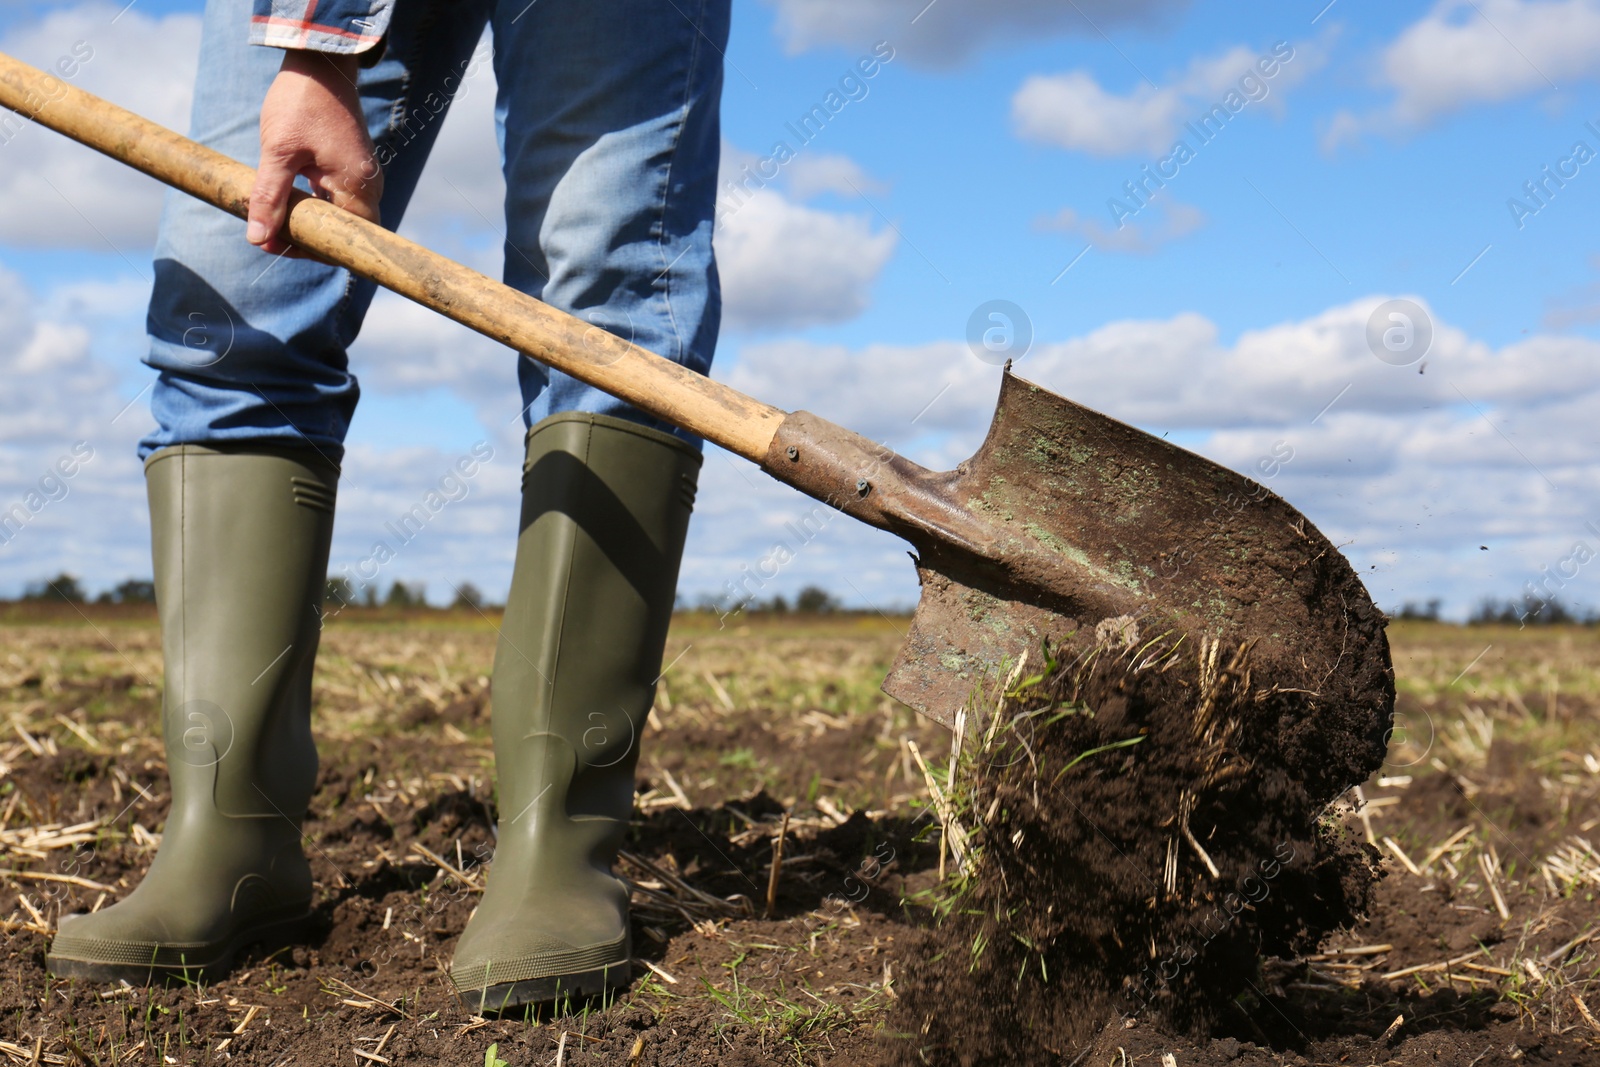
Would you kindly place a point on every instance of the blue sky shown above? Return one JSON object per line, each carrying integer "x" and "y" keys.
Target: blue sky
{"x": 978, "y": 164}
{"x": 1401, "y": 213}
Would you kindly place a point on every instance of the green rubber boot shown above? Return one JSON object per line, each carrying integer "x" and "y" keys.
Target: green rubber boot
{"x": 605, "y": 509}
{"x": 240, "y": 539}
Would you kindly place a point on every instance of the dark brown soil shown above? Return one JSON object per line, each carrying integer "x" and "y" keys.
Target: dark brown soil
{"x": 733, "y": 985}
{"x": 817, "y": 981}
{"x": 388, "y": 918}
{"x": 1145, "y": 842}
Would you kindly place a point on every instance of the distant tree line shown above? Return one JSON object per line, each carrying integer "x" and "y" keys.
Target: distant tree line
{"x": 1530, "y": 611}
{"x": 340, "y": 593}
{"x": 1411, "y": 610}
{"x": 811, "y": 600}
{"x": 1492, "y": 611}
{"x": 68, "y": 589}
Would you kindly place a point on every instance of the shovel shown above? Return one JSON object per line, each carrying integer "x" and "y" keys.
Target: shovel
{"x": 1067, "y": 526}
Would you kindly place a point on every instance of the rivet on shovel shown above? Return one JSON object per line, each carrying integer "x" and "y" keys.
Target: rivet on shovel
{"x": 793, "y": 453}
{"x": 863, "y": 487}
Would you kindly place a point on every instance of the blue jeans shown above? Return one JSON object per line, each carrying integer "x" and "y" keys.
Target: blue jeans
{"x": 607, "y": 120}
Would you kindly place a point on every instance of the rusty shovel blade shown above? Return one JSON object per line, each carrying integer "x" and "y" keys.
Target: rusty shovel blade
{"x": 1070, "y": 526}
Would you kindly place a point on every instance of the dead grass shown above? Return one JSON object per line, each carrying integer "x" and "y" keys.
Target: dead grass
{"x": 1490, "y": 802}
{"x": 1489, "y": 805}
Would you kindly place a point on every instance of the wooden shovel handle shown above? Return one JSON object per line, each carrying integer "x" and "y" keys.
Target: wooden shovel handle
{"x": 532, "y": 327}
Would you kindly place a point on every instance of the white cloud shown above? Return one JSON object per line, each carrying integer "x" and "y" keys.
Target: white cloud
{"x": 948, "y": 31}
{"x": 1574, "y": 307}
{"x": 811, "y": 175}
{"x": 1173, "y": 220}
{"x": 784, "y": 264}
{"x": 1414, "y": 469}
{"x": 1344, "y": 127}
{"x": 46, "y": 361}
{"x": 907, "y": 396}
{"x": 1464, "y": 53}
{"x": 406, "y": 348}
{"x": 470, "y": 537}
{"x": 1467, "y": 52}
{"x": 74, "y": 389}
{"x": 741, "y": 515}
{"x": 71, "y": 196}
{"x": 64, "y": 402}
{"x": 1072, "y": 110}
{"x": 1487, "y": 445}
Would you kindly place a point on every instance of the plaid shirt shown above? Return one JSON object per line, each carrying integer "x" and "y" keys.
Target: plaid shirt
{"x": 344, "y": 26}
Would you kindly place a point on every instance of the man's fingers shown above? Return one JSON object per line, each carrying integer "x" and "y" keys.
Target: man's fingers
{"x": 269, "y": 200}
{"x": 312, "y": 124}
{"x": 357, "y": 195}
{"x": 360, "y": 202}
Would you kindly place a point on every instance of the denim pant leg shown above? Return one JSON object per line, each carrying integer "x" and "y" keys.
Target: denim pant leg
{"x": 609, "y": 133}
{"x": 250, "y": 346}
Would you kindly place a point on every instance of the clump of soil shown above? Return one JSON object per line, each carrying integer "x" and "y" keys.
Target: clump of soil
{"x": 1145, "y": 840}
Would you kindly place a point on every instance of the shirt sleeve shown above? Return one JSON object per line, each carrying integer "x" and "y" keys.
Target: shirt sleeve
{"x": 348, "y": 27}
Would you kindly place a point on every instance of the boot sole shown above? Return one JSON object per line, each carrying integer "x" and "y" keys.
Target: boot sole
{"x": 580, "y": 986}
{"x": 274, "y": 933}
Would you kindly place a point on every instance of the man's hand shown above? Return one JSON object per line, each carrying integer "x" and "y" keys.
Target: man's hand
{"x": 311, "y": 125}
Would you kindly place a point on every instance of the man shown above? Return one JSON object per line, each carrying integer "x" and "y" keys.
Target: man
{"x": 608, "y": 122}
